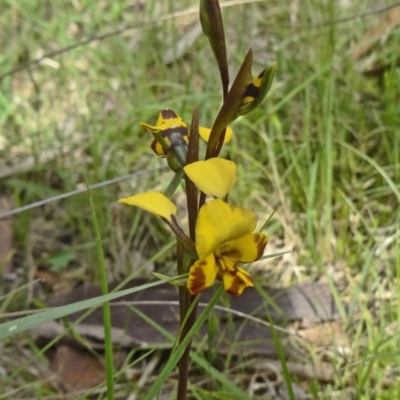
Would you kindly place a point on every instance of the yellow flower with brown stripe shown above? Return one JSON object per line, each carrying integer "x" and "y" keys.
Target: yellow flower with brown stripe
{"x": 171, "y": 128}
{"x": 224, "y": 238}
{"x": 224, "y": 233}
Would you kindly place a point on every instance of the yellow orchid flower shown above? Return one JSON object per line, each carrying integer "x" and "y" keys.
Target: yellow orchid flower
{"x": 224, "y": 238}
{"x": 169, "y": 123}
{"x": 214, "y": 177}
{"x": 224, "y": 233}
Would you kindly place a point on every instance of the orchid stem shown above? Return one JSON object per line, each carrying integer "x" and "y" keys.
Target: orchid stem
{"x": 183, "y": 375}
{"x": 185, "y": 300}
{"x": 170, "y": 190}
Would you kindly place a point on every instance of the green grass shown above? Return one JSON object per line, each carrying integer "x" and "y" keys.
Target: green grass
{"x": 324, "y": 146}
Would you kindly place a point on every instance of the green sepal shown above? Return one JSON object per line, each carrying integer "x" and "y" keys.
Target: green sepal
{"x": 173, "y": 162}
{"x": 175, "y": 181}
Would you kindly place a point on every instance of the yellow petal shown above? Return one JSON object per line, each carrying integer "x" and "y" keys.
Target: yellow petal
{"x": 246, "y": 249}
{"x": 157, "y": 148}
{"x": 205, "y": 134}
{"x": 219, "y": 222}
{"x": 151, "y": 128}
{"x": 202, "y": 274}
{"x": 215, "y": 176}
{"x": 235, "y": 282}
{"x": 153, "y": 202}
{"x": 171, "y": 123}
{"x": 166, "y": 119}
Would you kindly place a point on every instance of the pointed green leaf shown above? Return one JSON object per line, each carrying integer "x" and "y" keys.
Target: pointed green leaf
{"x": 22, "y": 324}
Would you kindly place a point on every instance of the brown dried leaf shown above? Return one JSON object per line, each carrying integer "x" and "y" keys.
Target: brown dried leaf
{"x": 48, "y": 277}
{"x": 384, "y": 26}
{"x": 77, "y": 369}
{"x": 328, "y": 334}
{"x": 308, "y": 301}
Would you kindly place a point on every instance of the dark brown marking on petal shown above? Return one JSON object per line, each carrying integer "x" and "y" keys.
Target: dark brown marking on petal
{"x": 234, "y": 289}
{"x": 168, "y": 114}
{"x": 234, "y": 254}
{"x": 261, "y": 74}
{"x": 182, "y": 130}
{"x": 157, "y": 148}
{"x": 238, "y": 284}
{"x": 261, "y": 242}
{"x": 251, "y": 92}
{"x": 197, "y": 278}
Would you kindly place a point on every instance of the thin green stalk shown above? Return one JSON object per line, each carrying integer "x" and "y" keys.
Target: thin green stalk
{"x": 381, "y": 170}
{"x": 282, "y": 358}
{"x": 184, "y": 361}
{"x": 106, "y": 305}
{"x": 182, "y": 289}
{"x": 397, "y": 262}
{"x": 311, "y": 207}
{"x": 176, "y": 180}
{"x": 188, "y": 311}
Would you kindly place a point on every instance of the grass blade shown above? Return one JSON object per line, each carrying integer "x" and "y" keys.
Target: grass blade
{"x": 23, "y": 324}
{"x": 106, "y": 305}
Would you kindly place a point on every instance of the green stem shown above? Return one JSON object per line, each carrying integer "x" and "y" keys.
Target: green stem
{"x": 184, "y": 361}
{"x": 170, "y": 190}
{"x": 106, "y": 305}
{"x": 185, "y": 301}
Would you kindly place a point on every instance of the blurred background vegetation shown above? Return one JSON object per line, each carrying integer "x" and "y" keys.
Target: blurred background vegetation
{"x": 324, "y": 148}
